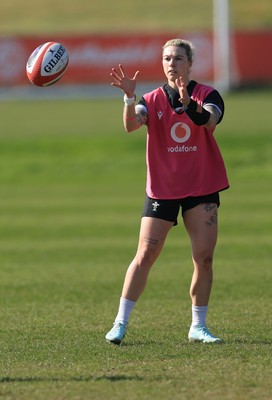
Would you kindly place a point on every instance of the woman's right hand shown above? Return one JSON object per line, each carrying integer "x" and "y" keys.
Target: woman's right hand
{"x": 123, "y": 82}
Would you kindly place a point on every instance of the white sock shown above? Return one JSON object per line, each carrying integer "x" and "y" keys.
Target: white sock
{"x": 199, "y": 314}
{"x": 125, "y": 309}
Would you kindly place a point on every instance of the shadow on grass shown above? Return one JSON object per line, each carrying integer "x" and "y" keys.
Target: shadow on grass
{"x": 139, "y": 343}
{"x": 113, "y": 378}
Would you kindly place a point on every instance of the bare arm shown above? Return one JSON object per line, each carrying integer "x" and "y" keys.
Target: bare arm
{"x": 132, "y": 118}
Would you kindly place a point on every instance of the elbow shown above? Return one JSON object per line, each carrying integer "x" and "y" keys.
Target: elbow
{"x": 130, "y": 128}
{"x": 210, "y": 126}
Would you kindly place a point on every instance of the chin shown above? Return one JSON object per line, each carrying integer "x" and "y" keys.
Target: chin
{"x": 172, "y": 78}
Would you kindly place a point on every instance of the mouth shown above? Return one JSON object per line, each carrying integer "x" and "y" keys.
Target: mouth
{"x": 172, "y": 72}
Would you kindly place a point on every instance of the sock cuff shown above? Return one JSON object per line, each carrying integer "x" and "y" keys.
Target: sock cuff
{"x": 199, "y": 308}
{"x": 125, "y": 309}
{"x": 127, "y": 302}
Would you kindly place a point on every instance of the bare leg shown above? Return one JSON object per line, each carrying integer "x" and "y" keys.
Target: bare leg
{"x": 153, "y": 233}
{"x": 201, "y": 224}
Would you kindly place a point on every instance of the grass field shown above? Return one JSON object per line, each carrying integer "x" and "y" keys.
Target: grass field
{"x": 68, "y": 16}
{"x": 72, "y": 187}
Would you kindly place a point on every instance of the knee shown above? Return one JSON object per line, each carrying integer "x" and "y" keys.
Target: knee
{"x": 204, "y": 262}
{"x": 146, "y": 257}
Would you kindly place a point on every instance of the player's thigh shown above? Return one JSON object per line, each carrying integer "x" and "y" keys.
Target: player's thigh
{"x": 201, "y": 223}
{"x": 153, "y": 233}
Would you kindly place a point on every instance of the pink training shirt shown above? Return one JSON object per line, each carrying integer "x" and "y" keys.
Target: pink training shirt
{"x": 183, "y": 159}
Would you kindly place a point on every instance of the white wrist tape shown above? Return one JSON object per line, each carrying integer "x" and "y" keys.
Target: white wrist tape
{"x": 129, "y": 100}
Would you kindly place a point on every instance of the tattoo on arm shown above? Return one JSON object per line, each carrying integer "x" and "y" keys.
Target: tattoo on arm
{"x": 141, "y": 117}
{"x": 214, "y": 111}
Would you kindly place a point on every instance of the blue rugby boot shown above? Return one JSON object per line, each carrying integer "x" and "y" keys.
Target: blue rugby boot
{"x": 117, "y": 333}
{"x": 202, "y": 334}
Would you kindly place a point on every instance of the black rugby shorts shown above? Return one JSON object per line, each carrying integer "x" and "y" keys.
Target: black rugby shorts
{"x": 169, "y": 209}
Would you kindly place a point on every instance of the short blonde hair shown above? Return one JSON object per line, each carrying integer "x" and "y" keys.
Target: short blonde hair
{"x": 188, "y": 46}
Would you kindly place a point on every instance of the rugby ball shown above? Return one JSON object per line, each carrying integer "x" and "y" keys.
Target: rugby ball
{"x": 47, "y": 64}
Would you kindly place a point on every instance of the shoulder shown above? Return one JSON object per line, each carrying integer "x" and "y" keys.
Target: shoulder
{"x": 210, "y": 96}
{"x": 200, "y": 89}
{"x": 148, "y": 98}
{"x": 153, "y": 94}
{"x": 208, "y": 93}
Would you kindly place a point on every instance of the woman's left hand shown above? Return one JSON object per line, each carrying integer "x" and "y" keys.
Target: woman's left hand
{"x": 182, "y": 88}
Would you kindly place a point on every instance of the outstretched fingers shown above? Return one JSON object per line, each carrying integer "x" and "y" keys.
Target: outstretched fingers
{"x": 119, "y": 75}
{"x": 135, "y": 75}
{"x": 116, "y": 77}
{"x": 122, "y": 71}
{"x": 122, "y": 80}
